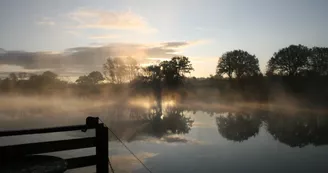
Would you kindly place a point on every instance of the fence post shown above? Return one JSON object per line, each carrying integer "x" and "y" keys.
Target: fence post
{"x": 102, "y": 149}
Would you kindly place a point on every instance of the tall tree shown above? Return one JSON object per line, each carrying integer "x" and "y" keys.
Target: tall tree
{"x": 114, "y": 70}
{"x": 291, "y": 61}
{"x": 238, "y": 63}
{"x": 169, "y": 73}
{"x": 95, "y": 77}
{"x": 174, "y": 70}
{"x": 225, "y": 65}
{"x": 132, "y": 68}
{"x": 83, "y": 80}
{"x": 119, "y": 70}
{"x": 318, "y": 61}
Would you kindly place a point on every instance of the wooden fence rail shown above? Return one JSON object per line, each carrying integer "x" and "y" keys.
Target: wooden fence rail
{"x": 100, "y": 142}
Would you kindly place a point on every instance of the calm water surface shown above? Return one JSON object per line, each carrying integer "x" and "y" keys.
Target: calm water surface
{"x": 196, "y": 141}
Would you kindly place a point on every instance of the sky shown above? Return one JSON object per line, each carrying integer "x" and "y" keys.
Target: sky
{"x": 74, "y": 37}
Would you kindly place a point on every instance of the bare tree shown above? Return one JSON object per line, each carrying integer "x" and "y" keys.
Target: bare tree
{"x": 114, "y": 70}
{"x": 119, "y": 70}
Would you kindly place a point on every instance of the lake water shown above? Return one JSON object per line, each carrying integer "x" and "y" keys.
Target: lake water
{"x": 181, "y": 140}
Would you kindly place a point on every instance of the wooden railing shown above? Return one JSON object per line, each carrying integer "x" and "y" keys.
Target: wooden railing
{"x": 100, "y": 142}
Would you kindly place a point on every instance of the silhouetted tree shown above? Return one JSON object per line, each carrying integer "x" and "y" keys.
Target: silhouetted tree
{"x": 83, "y": 80}
{"x": 13, "y": 77}
{"x": 318, "y": 61}
{"x": 132, "y": 68}
{"x": 22, "y": 75}
{"x": 95, "y": 77}
{"x": 289, "y": 61}
{"x": 174, "y": 70}
{"x": 238, "y": 63}
{"x": 169, "y": 73}
{"x": 46, "y": 82}
{"x": 238, "y": 126}
{"x": 88, "y": 84}
{"x": 114, "y": 70}
{"x": 49, "y": 75}
{"x": 119, "y": 70}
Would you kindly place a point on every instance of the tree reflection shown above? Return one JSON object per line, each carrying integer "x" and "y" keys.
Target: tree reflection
{"x": 130, "y": 123}
{"x": 298, "y": 130}
{"x": 238, "y": 126}
{"x": 171, "y": 121}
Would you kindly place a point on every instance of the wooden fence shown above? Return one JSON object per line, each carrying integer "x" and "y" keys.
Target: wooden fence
{"x": 100, "y": 142}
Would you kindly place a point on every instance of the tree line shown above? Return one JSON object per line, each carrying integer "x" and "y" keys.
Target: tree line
{"x": 294, "y": 60}
{"x": 237, "y": 70}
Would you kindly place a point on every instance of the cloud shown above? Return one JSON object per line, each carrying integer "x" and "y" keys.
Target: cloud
{"x": 103, "y": 37}
{"x": 180, "y": 44}
{"x": 102, "y": 19}
{"x": 31, "y": 60}
{"x": 46, "y": 21}
{"x": 175, "y": 44}
{"x": 80, "y": 60}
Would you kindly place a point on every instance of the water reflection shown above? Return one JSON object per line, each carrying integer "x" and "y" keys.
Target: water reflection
{"x": 238, "y": 126}
{"x": 298, "y": 130}
{"x": 152, "y": 122}
{"x": 172, "y": 121}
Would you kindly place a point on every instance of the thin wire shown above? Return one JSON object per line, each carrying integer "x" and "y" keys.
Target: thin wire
{"x": 111, "y": 166}
{"x": 110, "y": 155}
{"x": 131, "y": 152}
{"x": 109, "y": 163}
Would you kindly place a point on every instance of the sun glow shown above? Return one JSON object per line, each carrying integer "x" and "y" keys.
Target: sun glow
{"x": 168, "y": 103}
{"x": 145, "y": 103}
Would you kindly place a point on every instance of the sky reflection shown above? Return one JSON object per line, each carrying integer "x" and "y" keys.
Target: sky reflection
{"x": 187, "y": 140}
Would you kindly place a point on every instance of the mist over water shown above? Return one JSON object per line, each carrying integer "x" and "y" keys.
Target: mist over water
{"x": 195, "y": 133}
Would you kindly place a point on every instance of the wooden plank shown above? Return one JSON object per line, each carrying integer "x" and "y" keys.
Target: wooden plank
{"x": 44, "y": 130}
{"x": 79, "y": 162}
{"x": 102, "y": 149}
{"x": 12, "y": 151}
